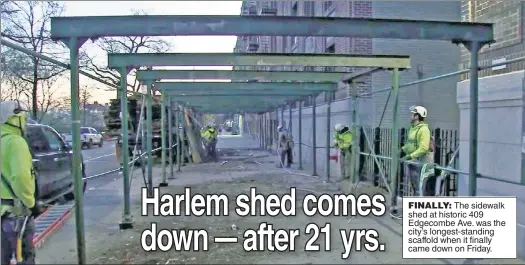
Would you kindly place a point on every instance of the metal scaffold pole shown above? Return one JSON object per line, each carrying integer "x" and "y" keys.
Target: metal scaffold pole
{"x": 126, "y": 222}
{"x": 180, "y": 141}
{"x": 355, "y": 127}
{"x": 328, "y": 136}
{"x": 314, "y": 137}
{"x": 149, "y": 136}
{"x": 77, "y": 160}
{"x": 164, "y": 182}
{"x": 170, "y": 135}
{"x": 395, "y": 140}
{"x": 300, "y": 130}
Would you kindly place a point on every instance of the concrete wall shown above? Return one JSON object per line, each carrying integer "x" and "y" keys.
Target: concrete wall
{"x": 501, "y": 132}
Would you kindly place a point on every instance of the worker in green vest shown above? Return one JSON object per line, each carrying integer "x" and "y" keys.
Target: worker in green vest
{"x": 17, "y": 207}
{"x": 343, "y": 142}
{"x": 285, "y": 147}
{"x": 418, "y": 148}
{"x": 209, "y": 134}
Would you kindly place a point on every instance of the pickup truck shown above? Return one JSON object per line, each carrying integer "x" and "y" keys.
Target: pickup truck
{"x": 52, "y": 163}
{"x": 90, "y": 136}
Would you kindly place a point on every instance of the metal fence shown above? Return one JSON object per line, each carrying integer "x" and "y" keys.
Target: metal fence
{"x": 446, "y": 143}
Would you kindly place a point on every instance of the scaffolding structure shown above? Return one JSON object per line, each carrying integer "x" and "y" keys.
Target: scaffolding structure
{"x": 263, "y": 97}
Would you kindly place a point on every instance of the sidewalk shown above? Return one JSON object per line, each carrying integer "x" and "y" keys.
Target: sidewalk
{"x": 107, "y": 245}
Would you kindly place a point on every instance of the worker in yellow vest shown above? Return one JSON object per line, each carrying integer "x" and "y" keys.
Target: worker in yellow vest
{"x": 419, "y": 147}
{"x": 285, "y": 147}
{"x": 209, "y": 135}
{"x": 19, "y": 190}
{"x": 343, "y": 142}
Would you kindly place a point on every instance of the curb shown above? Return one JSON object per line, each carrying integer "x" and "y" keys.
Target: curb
{"x": 41, "y": 238}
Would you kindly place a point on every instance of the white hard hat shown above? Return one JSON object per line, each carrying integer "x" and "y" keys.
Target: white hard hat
{"x": 279, "y": 127}
{"x": 419, "y": 110}
{"x": 9, "y": 109}
{"x": 338, "y": 127}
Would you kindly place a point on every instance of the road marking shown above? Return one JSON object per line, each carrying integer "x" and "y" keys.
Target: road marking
{"x": 98, "y": 157}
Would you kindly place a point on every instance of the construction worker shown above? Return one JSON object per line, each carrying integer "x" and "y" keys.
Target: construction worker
{"x": 285, "y": 147}
{"x": 417, "y": 147}
{"x": 17, "y": 207}
{"x": 343, "y": 142}
{"x": 209, "y": 135}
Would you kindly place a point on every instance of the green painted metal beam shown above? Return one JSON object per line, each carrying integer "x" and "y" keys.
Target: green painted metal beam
{"x": 114, "y": 26}
{"x": 225, "y": 109}
{"x": 243, "y": 95}
{"x": 233, "y": 101}
{"x": 269, "y": 92}
{"x": 136, "y": 60}
{"x": 259, "y": 103}
{"x": 244, "y": 86}
{"x": 234, "y": 111}
{"x": 156, "y": 75}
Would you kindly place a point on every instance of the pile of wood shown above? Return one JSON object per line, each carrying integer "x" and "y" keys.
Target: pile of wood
{"x": 112, "y": 118}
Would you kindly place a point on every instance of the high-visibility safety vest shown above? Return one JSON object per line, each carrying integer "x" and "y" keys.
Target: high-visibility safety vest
{"x": 419, "y": 142}
{"x": 343, "y": 140}
{"x": 209, "y": 134}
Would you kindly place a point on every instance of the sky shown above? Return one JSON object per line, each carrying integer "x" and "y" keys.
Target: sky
{"x": 181, "y": 44}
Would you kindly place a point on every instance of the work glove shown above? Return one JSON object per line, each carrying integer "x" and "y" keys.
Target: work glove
{"x": 37, "y": 209}
{"x": 406, "y": 158}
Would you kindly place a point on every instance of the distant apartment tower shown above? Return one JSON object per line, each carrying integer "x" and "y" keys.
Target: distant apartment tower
{"x": 508, "y": 18}
{"x": 428, "y": 58}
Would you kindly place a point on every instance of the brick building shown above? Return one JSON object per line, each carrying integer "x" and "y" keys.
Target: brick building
{"x": 507, "y": 16}
{"x": 428, "y": 58}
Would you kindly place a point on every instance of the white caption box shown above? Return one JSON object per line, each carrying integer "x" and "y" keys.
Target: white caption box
{"x": 459, "y": 227}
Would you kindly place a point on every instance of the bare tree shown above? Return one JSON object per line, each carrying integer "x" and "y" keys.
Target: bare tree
{"x": 48, "y": 99}
{"x": 84, "y": 98}
{"x": 6, "y": 9}
{"x": 28, "y": 25}
{"x": 122, "y": 45}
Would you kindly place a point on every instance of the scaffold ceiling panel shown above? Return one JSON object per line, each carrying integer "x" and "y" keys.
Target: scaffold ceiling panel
{"x": 174, "y": 86}
{"x": 308, "y": 76}
{"x": 213, "y": 92}
{"x": 87, "y": 27}
{"x": 246, "y": 105}
{"x": 136, "y": 60}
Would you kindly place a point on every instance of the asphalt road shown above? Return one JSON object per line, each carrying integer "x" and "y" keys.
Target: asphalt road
{"x": 98, "y": 203}
{"x": 98, "y": 160}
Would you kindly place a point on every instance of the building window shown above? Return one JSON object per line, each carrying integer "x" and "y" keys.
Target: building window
{"x": 295, "y": 13}
{"x": 330, "y": 49}
{"x": 309, "y": 9}
{"x": 327, "y": 5}
{"x": 309, "y": 69}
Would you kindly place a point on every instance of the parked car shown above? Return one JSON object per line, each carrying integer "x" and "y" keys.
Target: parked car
{"x": 52, "y": 160}
{"x": 90, "y": 136}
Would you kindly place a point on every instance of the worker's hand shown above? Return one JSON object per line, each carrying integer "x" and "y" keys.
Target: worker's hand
{"x": 406, "y": 158}
{"x": 37, "y": 209}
